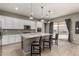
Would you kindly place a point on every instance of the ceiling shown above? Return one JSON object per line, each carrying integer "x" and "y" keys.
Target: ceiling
{"x": 57, "y": 9}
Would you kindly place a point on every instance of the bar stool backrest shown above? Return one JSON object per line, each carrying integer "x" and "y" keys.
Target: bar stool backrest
{"x": 56, "y": 37}
{"x": 40, "y": 40}
{"x": 50, "y": 37}
{"x": 46, "y": 37}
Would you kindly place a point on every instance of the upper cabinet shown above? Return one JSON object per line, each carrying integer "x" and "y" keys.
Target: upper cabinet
{"x": 1, "y": 18}
{"x": 2, "y": 22}
{"x": 39, "y": 24}
{"x": 16, "y": 23}
{"x": 20, "y": 24}
{"x": 30, "y": 23}
{"x": 11, "y": 23}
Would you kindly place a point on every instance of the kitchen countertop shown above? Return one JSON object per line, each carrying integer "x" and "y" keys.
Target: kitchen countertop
{"x": 31, "y": 35}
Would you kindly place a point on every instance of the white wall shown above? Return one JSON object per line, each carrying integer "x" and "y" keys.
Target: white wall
{"x": 74, "y": 18}
{"x": 15, "y": 23}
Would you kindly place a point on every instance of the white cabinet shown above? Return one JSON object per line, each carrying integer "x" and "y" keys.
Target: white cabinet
{"x": 12, "y": 23}
{"x": 18, "y": 38}
{"x": 18, "y": 24}
{"x": 9, "y": 39}
{"x": 5, "y": 40}
{"x": 21, "y": 24}
{"x": 32, "y": 25}
{"x": 27, "y": 22}
{"x": 2, "y": 22}
{"x": 39, "y": 24}
{"x": 1, "y": 18}
{"x": 12, "y": 39}
{"x": 8, "y": 23}
{"x": 15, "y": 23}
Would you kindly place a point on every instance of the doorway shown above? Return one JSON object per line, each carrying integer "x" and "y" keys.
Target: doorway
{"x": 61, "y": 29}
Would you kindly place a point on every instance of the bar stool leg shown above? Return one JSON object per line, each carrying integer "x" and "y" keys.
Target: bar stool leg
{"x": 57, "y": 42}
{"x": 43, "y": 45}
{"x": 50, "y": 45}
{"x": 40, "y": 51}
{"x": 31, "y": 50}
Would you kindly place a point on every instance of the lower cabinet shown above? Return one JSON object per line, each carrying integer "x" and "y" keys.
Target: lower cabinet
{"x": 10, "y": 39}
{"x": 18, "y": 38}
{"x": 5, "y": 40}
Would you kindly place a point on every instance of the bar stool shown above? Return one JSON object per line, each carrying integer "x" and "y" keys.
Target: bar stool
{"x": 36, "y": 47}
{"x": 46, "y": 41}
{"x": 55, "y": 39}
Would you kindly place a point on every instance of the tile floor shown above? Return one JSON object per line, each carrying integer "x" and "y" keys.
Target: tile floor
{"x": 63, "y": 49}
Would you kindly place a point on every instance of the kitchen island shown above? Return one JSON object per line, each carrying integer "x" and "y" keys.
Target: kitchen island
{"x": 28, "y": 38}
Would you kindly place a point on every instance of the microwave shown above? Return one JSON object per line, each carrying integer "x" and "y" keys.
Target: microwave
{"x": 27, "y": 27}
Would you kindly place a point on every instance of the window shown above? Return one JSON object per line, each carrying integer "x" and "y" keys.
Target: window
{"x": 61, "y": 28}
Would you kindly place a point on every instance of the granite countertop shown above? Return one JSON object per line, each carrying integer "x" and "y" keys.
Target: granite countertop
{"x": 32, "y": 35}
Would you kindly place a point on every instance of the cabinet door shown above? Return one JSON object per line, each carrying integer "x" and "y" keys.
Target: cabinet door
{"x": 12, "y": 39}
{"x": 11, "y": 23}
{"x": 3, "y": 24}
{"x": 21, "y": 24}
{"x": 2, "y": 19}
{"x": 18, "y": 38}
{"x": 5, "y": 40}
{"x": 18, "y": 24}
{"x": 15, "y": 23}
{"x": 8, "y": 23}
{"x": 39, "y": 24}
{"x": 27, "y": 22}
{"x": 32, "y": 24}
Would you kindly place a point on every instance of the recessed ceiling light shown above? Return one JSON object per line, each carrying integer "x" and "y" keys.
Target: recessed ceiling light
{"x": 16, "y": 8}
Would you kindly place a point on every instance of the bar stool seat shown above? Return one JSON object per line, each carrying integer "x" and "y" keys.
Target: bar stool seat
{"x": 45, "y": 41}
{"x": 35, "y": 43}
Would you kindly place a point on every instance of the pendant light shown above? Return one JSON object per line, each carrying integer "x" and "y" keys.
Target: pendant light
{"x": 31, "y": 14}
{"x": 49, "y": 16}
{"x": 42, "y": 19}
